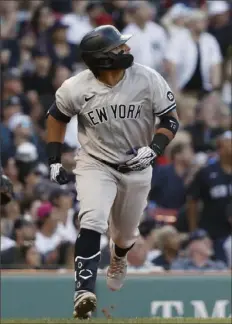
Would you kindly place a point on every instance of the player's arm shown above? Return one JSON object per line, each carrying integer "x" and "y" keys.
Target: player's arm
{"x": 164, "y": 107}
{"x": 58, "y": 116}
{"x": 168, "y": 127}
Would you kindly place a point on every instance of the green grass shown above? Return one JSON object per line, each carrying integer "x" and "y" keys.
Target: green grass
{"x": 132, "y": 320}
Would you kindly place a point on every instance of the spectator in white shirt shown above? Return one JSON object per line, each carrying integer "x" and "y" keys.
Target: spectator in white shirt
{"x": 193, "y": 63}
{"x": 78, "y": 22}
{"x": 62, "y": 201}
{"x": 47, "y": 240}
{"x": 149, "y": 38}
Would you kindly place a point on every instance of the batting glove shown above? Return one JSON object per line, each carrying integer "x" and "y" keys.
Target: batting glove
{"x": 144, "y": 156}
{"x": 58, "y": 174}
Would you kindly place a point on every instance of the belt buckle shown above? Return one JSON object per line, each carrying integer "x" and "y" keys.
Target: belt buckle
{"x": 123, "y": 168}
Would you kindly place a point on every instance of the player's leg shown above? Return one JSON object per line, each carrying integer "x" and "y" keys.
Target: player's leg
{"x": 126, "y": 214}
{"x": 96, "y": 190}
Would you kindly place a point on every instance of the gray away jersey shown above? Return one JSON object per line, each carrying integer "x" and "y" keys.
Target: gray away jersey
{"x": 112, "y": 120}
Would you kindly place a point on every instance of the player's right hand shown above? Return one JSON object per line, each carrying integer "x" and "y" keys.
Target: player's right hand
{"x": 58, "y": 174}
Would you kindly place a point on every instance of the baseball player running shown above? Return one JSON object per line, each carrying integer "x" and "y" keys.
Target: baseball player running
{"x": 116, "y": 102}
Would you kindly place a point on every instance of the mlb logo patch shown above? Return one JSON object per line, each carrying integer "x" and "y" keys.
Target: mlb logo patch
{"x": 170, "y": 96}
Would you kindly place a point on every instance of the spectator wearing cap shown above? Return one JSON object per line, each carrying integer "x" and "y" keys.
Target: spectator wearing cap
{"x": 199, "y": 254}
{"x": 26, "y": 157}
{"x": 212, "y": 187}
{"x": 200, "y": 71}
{"x": 174, "y": 20}
{"x": 77, "y": 21}
{"x": 47, "y": 240}
{"x": 228, "y": 242}
{"x": 59, "y": 49}
{"x": 220, "y": 24}
{"x": 12, "y": 86}
{"x": 149, "y": 38}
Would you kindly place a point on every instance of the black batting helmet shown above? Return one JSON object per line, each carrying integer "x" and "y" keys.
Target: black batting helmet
{"x": 96, "y": 49}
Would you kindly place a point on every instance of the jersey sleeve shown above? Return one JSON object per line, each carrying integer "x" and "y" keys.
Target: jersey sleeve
{"x": 163, "y": 97}
{"x": 63, "y": 100}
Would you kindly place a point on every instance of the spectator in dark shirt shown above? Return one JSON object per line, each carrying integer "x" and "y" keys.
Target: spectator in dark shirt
{"x": 39, "y": 25}
{"x": 168, "y": 181}
{"x": 13, "y": 86}
{"x": 116, "y": 9}
{"x": 199, "y": 252}
{"x": 220, "y": 24}
{"x": 212, "y": 186}
{"x": 40, "y": 79}
{"x": 60, "y": 51}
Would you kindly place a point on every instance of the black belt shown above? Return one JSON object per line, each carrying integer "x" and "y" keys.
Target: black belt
{"x": 118, "y": 167}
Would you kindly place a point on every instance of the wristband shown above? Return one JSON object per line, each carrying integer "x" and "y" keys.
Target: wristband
{"x": 54, "y": 150}
{"x": 159, "y": 143}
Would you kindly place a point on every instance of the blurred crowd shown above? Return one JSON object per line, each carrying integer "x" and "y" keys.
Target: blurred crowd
{"x": 187, "y": 224}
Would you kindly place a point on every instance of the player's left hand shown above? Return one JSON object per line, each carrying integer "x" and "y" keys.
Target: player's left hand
{"x": 143, "y": 158}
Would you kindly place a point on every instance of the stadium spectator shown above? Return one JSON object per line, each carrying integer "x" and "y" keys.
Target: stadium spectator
{"x": 12, "y": 86}
{"x": 168, "y": 241}
{"x": 62, "y": 201}
{"x": 30, "y": 257}
{"x": 39, "y": 25}
{"x": 200, "y": 70}
{"x": 39, "y": 79}
{"x": 168, "y": 181}
{"x": 175, "y": 19}
{"x": 149, "y": 39}
{"x": 209, "y": 123}
{"x": 78, "y": 22}
{"x": 47, "y": 240}
{"x": 8, "y": 19}
{"x": 199, "y": 252}
{"x": 116, "y": 9}
{"x": 59, "y": 50}
{"x": 220, "y": 25}
{"x": 23, "y": 232}
{"x": 212, "y": 186}
{"x": 137, "y": 257}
